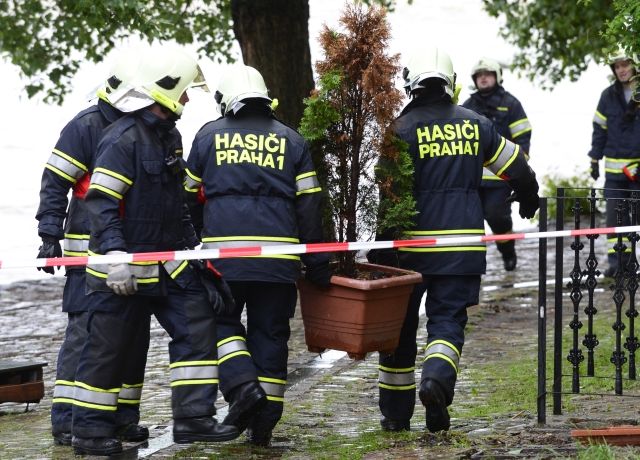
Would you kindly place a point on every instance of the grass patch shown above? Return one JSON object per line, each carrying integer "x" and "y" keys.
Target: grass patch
{"x": 606, "y": 452}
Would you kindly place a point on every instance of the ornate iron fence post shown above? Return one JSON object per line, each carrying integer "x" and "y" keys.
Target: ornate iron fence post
{"x": 590, "y": 339}
{"x": 618, "y": 357}
{"x": 575, "y": 356}
{"x": 631, "y": 343}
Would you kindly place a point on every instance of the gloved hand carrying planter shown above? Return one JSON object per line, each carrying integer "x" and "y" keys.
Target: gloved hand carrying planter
{"x": 320, "y": 275}
{"x": 120, "y": 279}
{"x": 50, "y": 248}
{"x": 218, "y": 291}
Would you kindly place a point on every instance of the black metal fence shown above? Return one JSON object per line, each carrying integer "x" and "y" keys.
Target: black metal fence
{"x": 585, "y": 278}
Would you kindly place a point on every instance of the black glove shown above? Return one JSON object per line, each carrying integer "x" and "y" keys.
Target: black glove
{"x": 595, "y": 169}
{"x": 218, "y": 291}
{"x": 320, "y": 275}
{"x": 529, "y": 204}
{"x": 388, "y": 257}
{"x": 50, "y": 248}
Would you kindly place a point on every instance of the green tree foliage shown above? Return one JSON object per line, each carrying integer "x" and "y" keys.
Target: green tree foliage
{"x": 346, "y": 119}
{"x": 556, "y": 39}
{"x": 49, "y": 39}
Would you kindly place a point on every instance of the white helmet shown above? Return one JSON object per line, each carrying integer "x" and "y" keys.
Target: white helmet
{"x": 620, "y": 55}
{"x": 239, "y": 83}
{"x": 487, "y": 65}
{"x": 121, "y": 74}
{"x": 164, "y": 74}
{"x": 430, "y": 63}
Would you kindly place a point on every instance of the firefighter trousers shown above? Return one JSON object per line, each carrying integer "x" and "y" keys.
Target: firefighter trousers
{"x": 75, "y": 304}
{"x": 497, "y": 213}
{"x": 447, "y": 300}
{"x": 114, "y": 321}
{"x": 613, "y": 192}
{"x": 261, "y": 352}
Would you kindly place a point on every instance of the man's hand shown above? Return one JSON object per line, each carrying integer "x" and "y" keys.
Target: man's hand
{"x": 50, "y": 248}
{"x": 529, "y": 204}
{"x": 120, "y": 279}
{"x": 595, "y": 169}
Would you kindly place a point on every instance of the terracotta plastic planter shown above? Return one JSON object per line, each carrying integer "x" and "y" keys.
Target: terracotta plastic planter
{"x": 623, "y": 435}
{"x": 357, "y": 316}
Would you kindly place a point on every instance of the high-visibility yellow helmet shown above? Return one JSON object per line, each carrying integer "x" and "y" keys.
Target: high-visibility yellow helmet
{"x": 163, "y": 75}
{"x": 239, "y": 83}
{"x": 488, "y": 65}
{"x": 429, "y": 63}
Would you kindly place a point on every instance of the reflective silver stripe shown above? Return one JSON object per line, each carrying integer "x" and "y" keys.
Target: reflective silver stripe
{"x": 194, "y": 373}
{"x": 231, "y": 347}
{"x": 615, "y": 165}
{"x": 108, "y": 181}
{"x": 600, "y": 120}
{"x": 63, "y": 391}
{"x": 448, "y": 235}
{"x": 519, "y": 127}
{"x": 208, "y": 244}
{"x": 191, "y": 181}
{"x": 396, "y": 379}
{"x": 307, "y": 182}
{"x": 76, "y": 244}
{"x": 174, "y": 267}
{"x": 438, "y": 348}
{"x": 143, "y": 273}
{"x": 273, "y": 389}
{"x": 134, "y": 393}
{"x": 95, "y": 397}
{"x": 487, "y": 174}
{"x": 503, "y": 157}
{"x": 61, "y": 162}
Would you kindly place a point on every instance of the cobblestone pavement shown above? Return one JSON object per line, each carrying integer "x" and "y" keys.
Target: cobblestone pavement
{"x": 327, "y": 395}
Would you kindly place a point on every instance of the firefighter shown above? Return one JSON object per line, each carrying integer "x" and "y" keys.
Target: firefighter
{"x": 255, "y": 177}
{"x": 135, "y": 203}
{"x": 511, "y": 122}
{"x": 449, "y": 146}
{"x": 68, "y": 168}
{"x": 616, "y": 137}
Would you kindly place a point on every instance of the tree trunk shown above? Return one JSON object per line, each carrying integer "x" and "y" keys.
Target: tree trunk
{"x": 274, "y": 38}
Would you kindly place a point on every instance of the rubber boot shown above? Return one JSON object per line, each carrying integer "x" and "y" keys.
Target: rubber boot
{"x": 96, "y": 446}
{"x": 246, "y": 401}
{"x": 433, "y": 399}
{"x": 207, "y": 429}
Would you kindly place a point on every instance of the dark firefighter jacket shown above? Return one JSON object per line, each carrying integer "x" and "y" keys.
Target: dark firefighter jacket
{"x": 69, "y": 167}
{"x": 616, "y": 131}
{"x": 449, "y": 146}
{"x": 135, "y": 201}
{"x": 259, "y": 188}
{"x": 509, "y": 118}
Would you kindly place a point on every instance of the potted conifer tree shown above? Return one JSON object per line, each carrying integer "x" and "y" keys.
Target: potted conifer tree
{"x": 346, "y": 120}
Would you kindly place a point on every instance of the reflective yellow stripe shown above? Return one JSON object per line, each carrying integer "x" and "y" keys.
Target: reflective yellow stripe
{"x": 392, "y": 369}
{"x": 398, "y": 388}
{"x": 192, "y": 176}
{"x": 275, "y": 398}
{"x": 444, "y": 342}
{"x": 129, "y": 401}
{"x": 63, "y": 401}
{"x": 72, "y": 160}
{"x": 233, "y": 355}
{"x": 246, "y": 238}
{"x": 193, "y": 363}
{"x": 509, "y": 161}
{"x": 113, "y": 174}
{"x": 443, "y": 357}
{"x": 445, "y": 249}
{"x": 230, "y": 339}
{"x": 61, "y": 173}
{"x": 178, "y": 383}
{"x": 96, "y": 389}
{"x": 95, "y": 406}
{"x": 311, "y": 190}
{"x": 474, "y": 231}
{"x": 495, "y": 156}
{"x": 272, "y": 380}
{"x": 106, "y": 190}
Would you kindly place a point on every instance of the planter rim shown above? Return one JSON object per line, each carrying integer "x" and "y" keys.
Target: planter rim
{"x": 403, "y": 278}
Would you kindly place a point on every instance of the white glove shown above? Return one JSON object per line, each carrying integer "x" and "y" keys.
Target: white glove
{"x": 120, "y": 279}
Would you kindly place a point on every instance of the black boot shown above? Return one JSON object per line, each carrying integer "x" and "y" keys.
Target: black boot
{"x": 259, "y": 437}
{"x": 132, "y": 433}
{"x": 207, "y": 429}
{"x": 509, "y": 258}
{"x": 389, "y": 424}
{"x": 61, "y": 438}
{"x": 433, "y": 398}
{"x": 246, "y": 401}
{"x": 96, "y": 446}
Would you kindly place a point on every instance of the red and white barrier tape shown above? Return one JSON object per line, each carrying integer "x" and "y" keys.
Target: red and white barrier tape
{"x": 224, "y": 253}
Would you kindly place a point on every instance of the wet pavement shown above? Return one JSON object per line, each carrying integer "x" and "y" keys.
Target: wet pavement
{"x": 331, "y": 402}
